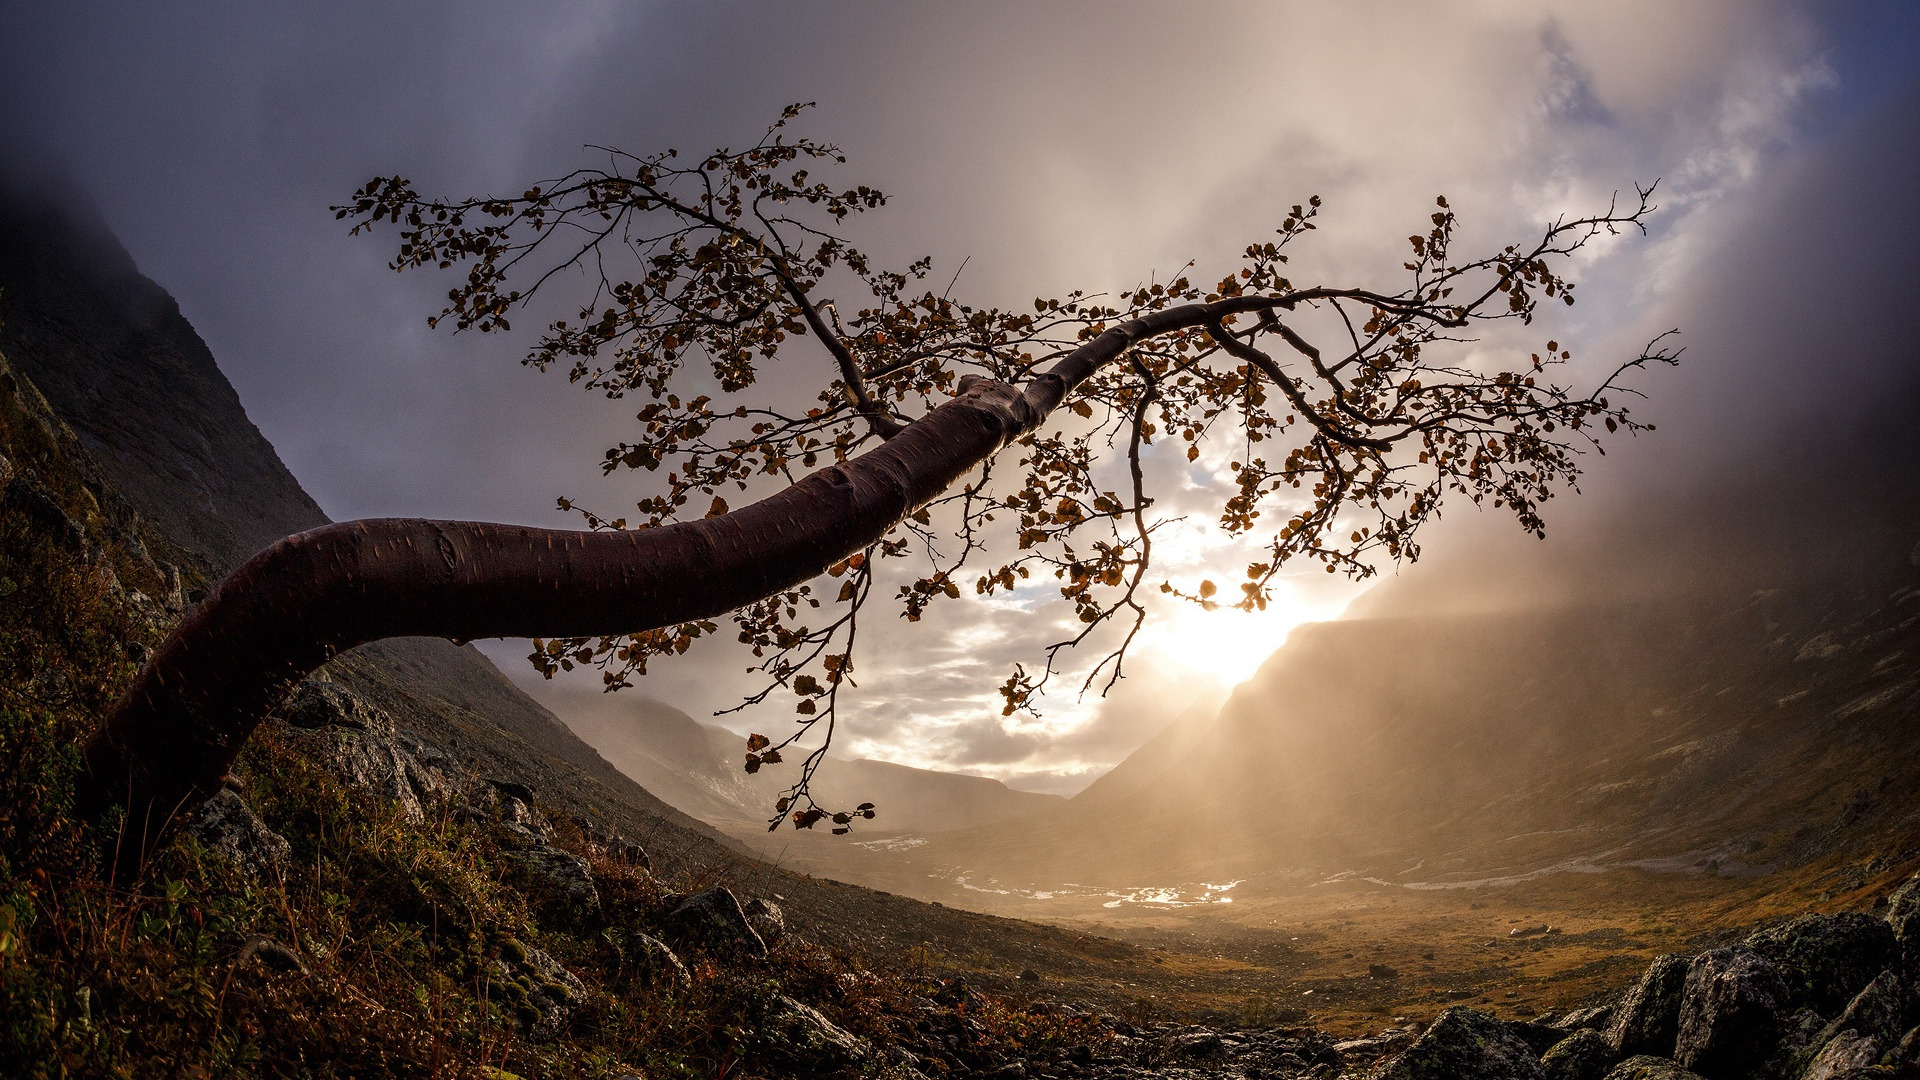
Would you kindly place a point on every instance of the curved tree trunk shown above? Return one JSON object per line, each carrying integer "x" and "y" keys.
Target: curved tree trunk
{"x": 174, "y": 734}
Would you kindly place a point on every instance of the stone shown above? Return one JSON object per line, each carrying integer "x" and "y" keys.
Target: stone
{"x": 560, "y": 873}
{"x": 1381, "y": 971}
{"x": 268, "y": 953}
{"x": 1907, "y": 1054}
{"x": 1583, "y": 1055}
{"x": 651, "y": 962}
{"x": 1875, "y": 1011}
{"x": 713, "y": 920}
{"x": 1730, "y": 1014}
{"x": 1827, "y": 959}
{"x": 1198, "y": 1044}
{"x": 228, "y": 827}
{"x": 1538, "y": 1036}
{"x": 805, "y": 1031}
{"x": 1649, "y": 1067}
{"x": 525, "y": 825}
{"x": 766, "y": 919}
{"x": 1464, "y": 1043}
{"x": 542, "y": 990}
{"x": 1903, "y": 916}
{"x": 1647, "y": 1020}
{"x": 1847, "y": 1054}
{"x": 357, "y": 742}
{"x": 1595, "y": 1017}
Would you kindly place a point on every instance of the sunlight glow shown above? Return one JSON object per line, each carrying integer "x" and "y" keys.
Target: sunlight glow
{"x": 1229, "y": 645}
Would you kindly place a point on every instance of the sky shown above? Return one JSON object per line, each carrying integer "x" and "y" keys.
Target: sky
{"x": 1045, "y": 146}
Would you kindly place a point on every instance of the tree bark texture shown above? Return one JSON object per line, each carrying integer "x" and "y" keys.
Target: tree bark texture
{"x": 175, "y": 733}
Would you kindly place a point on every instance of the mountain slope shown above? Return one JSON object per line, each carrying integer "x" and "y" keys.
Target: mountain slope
{"x": 696, "y": 767}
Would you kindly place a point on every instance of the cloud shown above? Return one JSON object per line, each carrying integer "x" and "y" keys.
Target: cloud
{"x": 1058, "y": 146}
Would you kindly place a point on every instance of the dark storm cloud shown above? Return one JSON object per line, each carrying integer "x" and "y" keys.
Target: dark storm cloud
{"x": 1057, "y": 146}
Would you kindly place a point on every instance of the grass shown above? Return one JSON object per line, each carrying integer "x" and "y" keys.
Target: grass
{"x": 412, "y": 940}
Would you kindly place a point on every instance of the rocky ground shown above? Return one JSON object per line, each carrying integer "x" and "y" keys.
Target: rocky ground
{"x": 1819, "y": 997}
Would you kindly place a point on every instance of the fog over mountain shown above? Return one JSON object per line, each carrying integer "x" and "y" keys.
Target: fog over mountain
{"x": 1018, "y": 147}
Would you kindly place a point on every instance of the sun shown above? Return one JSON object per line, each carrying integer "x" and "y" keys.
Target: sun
{"x": 1228, "y": 645}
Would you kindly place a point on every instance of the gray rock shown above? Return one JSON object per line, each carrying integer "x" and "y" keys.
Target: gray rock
{"x": 359, "y": 744}
{"x": 766, "y": 918}
{"x": 1464, "y": 1043}
{"x": 1876, "y": 1011}
{"x": 1907, "y": 1054}
{"x": 1827, "y": 959}
{"x": 1648, "y": 1067}
{"x": 1583, "y": 1055}
{"x": 1198, "y": 1044}
{"x": 270, "y": 954}
{"x": 1903, "y": 915}
{"x": 1847, "y": 1054}
{"x": 561, "y": 873}
{"x": 543, "y": 992}
{"x": 527, "y": 826}
{"x": 652, "y": 963}
{"x": 1647, "y": 1020}
{"x": 228, "y": 827}
{"x": 1595, "y": 1017}
{"x": 803, "y": 1031}
{"x": 713, "y": 920}
{"x": 1730, "y": 1017}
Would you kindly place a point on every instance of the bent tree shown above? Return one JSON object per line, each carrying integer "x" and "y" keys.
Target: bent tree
{"x": 883, "y": 435}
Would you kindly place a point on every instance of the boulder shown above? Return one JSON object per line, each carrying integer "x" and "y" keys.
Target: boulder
{"x": 1906, "y": 1055}
{"x": 1827, "y": 959}
{"x": 1462, "y": 1043}
{"x": 1847, "y": 1055}
{"x": 652, "y": 963}
{"x": 1730, "y": 1015}
{"x": 228, "y": 827}
{"x": 802, "y": 1031}
{"x": 1539, "y": 1037}
{"x": 712, "y": 919}
{"x": 1647, "y": 1020}
{"x": 1195, "y": 1043}
{"x": 357, "y": 742}
{"x": 1875, "y": 1011}
{"x": 1648, "y": 1067}
{"x": 1595, "y": 1017}
{"x": 270, "y": 954}
{"x": 1583, "y": 1055}
{"x": 560, "y": 874}
{"x": 542, "y": 991}
{"x": 1903, "y": 916}
{"x": 766, "y": 918}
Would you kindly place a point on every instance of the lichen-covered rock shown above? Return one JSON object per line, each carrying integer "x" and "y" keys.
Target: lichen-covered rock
{"x": 1583, "y": 1055}
{"x": 561, "y": 874}
{"x": 1875, "y": 1011}
{"x": 1847, "y": 1055}
{"x": 1647, "y": 1020}
{"x": 1596, "y": 1017}
{"x": 766, "y": 918}
{"x": 541, "y": 990}
{"x": 651, "y": 962}
{"x": 1827, "y": 959}
{"x": 228, "y": 827}
{"x": 1903, "y": 916}
{"x": 1466, "y": 1043}
{"x": 270, "y": 954}
{"x": 1730, "y": 1014}
{"x": 359, "y": 744}
{"x": 802, "y": 1031}
{"x": 1649, "y": 1067}
{"x": 713, "y": 920}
